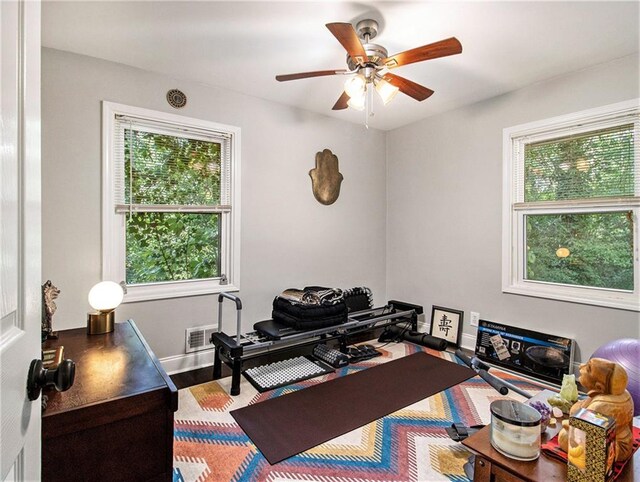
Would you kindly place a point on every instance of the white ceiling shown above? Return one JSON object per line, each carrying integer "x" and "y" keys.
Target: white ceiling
{"x": 241, "y": 46}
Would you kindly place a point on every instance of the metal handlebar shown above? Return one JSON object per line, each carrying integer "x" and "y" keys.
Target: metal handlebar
{"x": 238, "y": 303}
{"x": 233, "y": 298}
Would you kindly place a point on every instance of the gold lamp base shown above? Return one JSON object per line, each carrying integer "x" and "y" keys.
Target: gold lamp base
{"x": 100, "y": 322}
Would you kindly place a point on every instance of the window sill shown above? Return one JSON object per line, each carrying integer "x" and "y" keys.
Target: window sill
{"x": 585, "y": 296}
{"x": 162, "y": 291}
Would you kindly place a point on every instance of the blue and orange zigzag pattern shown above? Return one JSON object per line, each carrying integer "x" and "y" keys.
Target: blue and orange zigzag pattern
{"x": 408, "y": 445}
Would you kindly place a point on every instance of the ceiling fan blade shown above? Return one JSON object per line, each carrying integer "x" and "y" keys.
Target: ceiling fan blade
{"x": 450, "y": 46}
{"x": 348, "y": 37}
{"x": 406, "y": 86}
{"x": 341, "y": 103}
{"x": 305, "y": 75}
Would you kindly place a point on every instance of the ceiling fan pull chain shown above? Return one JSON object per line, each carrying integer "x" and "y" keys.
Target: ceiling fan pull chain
{"x": 367, "y": 105}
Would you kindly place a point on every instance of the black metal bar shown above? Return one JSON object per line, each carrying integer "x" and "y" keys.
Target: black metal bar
{"x": 414, "y": 321}
{"x": 495, "y": 382}
{"x": 217, "y": 364}
{"x": 404, "y": 306}
{"x": 227, "y": 344}
{"x": 484, "y": 374}
{"x": 236, "y": 371}
{"x": 502, "y": 386}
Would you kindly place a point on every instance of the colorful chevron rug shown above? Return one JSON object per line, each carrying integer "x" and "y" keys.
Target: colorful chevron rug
{"x": 408, "y": 445}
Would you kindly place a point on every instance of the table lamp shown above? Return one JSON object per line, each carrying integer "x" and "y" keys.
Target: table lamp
{"x": 104, "y": 298}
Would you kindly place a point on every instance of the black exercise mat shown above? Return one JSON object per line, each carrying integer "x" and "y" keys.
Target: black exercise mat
{"x": 287, "y": 425}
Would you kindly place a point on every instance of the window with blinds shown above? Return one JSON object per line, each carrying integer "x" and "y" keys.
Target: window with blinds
{"x": 172, "y": 189}
{"x": 165, "y": 167}
{"x": 173, "y": 186}
{"x": 584, "y": 166}
{"x": 572, "y": 197}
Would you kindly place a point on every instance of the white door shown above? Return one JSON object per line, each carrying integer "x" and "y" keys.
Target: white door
{"x": 20, "y": 282}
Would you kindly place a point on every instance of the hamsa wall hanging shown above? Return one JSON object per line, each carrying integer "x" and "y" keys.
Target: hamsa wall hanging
{"x": 326, "y": 177}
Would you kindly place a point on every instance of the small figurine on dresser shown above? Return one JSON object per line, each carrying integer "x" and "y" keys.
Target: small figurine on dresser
{"x": 606, "y": 383}
{"x": 49, "y": 293}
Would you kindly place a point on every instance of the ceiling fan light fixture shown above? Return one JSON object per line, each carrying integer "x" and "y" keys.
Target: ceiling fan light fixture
{"x": 354, "y": 86}
{"x": 368, "y": 64}
{"x": 357, "y": 102}
{"x": 386, "y": 91}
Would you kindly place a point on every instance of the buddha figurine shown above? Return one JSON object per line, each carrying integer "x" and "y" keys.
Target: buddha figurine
{"x": 606, "y": 383}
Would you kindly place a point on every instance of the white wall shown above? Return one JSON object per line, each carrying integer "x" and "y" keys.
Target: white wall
{"x": 288, "y": 238}
{"x": 444, "y": 195}
{"x": 420, "y": 206}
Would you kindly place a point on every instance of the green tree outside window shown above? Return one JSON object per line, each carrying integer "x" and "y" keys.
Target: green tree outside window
{"x": 584, "y": 249}
{"x": 169, "y": 172}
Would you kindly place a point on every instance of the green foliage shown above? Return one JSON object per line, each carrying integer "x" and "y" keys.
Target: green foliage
{"x": 172, "y": 247}
{"x": 599, "y": 164}
{"x": 600, "y": 247}
{"x": 169, "y": 170}
{"x": 593, "y": 165}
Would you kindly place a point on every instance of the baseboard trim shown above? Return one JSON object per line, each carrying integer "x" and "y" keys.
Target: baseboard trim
{"x": 187, "y": 362}
{"x": 468, "y": 342}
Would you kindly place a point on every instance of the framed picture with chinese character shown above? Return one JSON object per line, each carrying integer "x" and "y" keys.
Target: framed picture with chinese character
{"x": 446, "y": 324}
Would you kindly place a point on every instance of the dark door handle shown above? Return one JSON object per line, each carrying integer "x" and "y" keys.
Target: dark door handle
{"x": 39, "y": 377}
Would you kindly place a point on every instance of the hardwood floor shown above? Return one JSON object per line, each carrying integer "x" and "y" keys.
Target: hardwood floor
{"x": 196, "y": 377}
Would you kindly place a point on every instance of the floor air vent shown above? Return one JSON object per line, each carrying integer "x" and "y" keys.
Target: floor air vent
{"x": 197, "y": 338}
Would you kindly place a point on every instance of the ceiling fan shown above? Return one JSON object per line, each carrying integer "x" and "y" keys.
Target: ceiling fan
{"x": 369, "y": 65}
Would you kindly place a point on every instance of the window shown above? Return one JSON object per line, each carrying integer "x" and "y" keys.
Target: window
{"x": 571, "y": 207}
{"x": 170, "y": 203}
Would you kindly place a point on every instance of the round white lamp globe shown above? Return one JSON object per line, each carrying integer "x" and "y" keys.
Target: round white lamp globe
{"x": 354, "y": 86}
{"x": 106, "y": 296}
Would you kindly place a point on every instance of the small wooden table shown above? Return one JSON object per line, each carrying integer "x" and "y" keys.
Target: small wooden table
{"x": 116, "y": 422}
{"x": 491, "y": 465}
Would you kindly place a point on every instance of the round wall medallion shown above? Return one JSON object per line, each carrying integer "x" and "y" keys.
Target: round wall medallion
{"x": 176, "y": 98}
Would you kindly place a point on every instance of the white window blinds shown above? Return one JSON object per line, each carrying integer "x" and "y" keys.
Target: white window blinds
{"x": 598, "y": 162}
{"x": 165, "y": 167}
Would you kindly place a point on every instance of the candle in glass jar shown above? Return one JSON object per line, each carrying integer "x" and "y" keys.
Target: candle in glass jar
{"x": 515, "y": 429}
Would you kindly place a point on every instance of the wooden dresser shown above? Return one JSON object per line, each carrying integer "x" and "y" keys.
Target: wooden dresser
{"x": 116, "y": 422}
